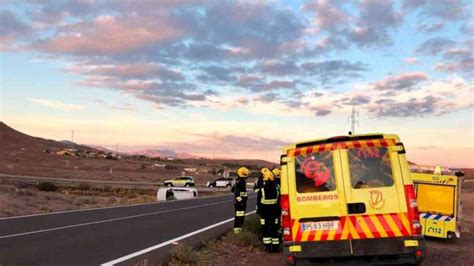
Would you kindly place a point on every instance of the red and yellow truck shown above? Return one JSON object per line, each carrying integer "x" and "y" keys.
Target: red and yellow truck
{"x": 439, "y": 201}
{"x": 349, "y": 198}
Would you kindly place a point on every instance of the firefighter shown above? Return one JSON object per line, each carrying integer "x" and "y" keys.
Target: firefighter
{"x": 257, "y": 186}
{"x": 276, "y": 172}
{"x": 240, "y": 198}
{"x": 270, "y": 209}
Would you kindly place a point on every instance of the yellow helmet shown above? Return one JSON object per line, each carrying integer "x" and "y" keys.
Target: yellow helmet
{"x": 243, "y": 172}
{"x": 276, "y": 172}
{"x": 265, "y": 170}
{"x": 268, "y": 175}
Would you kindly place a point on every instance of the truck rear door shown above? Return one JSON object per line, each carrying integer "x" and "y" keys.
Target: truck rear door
{"x": 374, "y": 194}
{"x": 318, "y": 209}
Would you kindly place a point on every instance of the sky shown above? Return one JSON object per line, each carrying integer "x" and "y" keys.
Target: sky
{"x": 240, "y": 79}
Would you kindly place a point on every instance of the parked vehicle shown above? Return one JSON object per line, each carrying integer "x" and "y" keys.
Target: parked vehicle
{"x": 349, "y": 198}
{"x": 174, "y": 193}
{"x": 221, "y": 182}
{"x": 439, "y": 202}
{"x": 180, "y": 181}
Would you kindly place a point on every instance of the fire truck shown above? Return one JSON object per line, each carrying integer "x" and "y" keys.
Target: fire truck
{"x": 349, "y": 198}
{"x": 438, "y": 193}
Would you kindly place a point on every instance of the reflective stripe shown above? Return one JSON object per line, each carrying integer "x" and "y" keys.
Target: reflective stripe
{"x": 240, "y": 213}
{"x": 267, "y": 240}
{"x": 269, "y": 201}
{"x": 435, "y": 217}
{"x": 275, "y": 241}
{"x": 262, "y": 221}
{"x": 243, "y": 194}
{"x": 277, "y": 220}
{"x": 237, "y": 230}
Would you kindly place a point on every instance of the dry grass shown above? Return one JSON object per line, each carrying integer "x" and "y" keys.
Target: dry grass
{"x": 22, "y": 199}
{"x": 231, "y": 249}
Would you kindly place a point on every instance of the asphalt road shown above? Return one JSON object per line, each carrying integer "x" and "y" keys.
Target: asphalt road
{"x": 92, "y": 237}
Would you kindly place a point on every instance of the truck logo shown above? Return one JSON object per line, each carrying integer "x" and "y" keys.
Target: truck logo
{"x": 376, "y": 199}
{"x": 315, "y": 170}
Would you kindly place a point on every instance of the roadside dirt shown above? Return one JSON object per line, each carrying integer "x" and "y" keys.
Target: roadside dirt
{"x": 21, "y": 199}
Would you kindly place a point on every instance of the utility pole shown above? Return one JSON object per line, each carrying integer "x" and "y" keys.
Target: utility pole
{"x": 116, "y": 148}
{"x": 72, "y": 136}
{"x": 353, "y": 120}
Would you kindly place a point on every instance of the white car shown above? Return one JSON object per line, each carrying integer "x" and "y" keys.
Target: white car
{"x": 175, "y": 193}
{"x": 221, "y": 182}
{"x": 180, "y": 181}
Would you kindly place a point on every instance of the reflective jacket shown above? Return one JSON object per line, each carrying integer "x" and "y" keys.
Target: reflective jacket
{"x": 270, "y": 194}
{"x": 240, "y": 189}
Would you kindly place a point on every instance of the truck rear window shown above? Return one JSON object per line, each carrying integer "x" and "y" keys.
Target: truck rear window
{"x": 370, "y": 167}
{"x": 315, "y": 172}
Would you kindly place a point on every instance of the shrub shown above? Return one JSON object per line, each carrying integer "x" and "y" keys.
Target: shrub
{"x": 84, "y": 187}
{"x": 243, "y": 239}
{"x": 182, "y": 255}
{"x": 47, "y": 186}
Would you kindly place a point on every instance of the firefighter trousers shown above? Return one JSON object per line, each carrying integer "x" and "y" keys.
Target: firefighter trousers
{"x": 270, "y": 222}
{"x": 239, "y": 215}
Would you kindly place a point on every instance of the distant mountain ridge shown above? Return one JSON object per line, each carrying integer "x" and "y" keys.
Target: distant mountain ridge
{"x": 155, "y": 153}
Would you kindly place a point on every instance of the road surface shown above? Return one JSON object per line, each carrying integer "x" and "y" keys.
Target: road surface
{"x": 96, "y": 236}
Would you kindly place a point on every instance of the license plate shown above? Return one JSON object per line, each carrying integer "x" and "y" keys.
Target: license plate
{"x": 325, "y": 225}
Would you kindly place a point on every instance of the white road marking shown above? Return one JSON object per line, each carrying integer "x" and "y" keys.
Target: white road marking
{"x": 110, "y": 220}
{"x": 171, "y": 241}
{"x": 102, "y": 208}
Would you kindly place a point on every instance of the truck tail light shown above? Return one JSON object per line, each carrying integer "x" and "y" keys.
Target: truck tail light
{"x": 285, "y": 217}
{"x": 412, "y": 206}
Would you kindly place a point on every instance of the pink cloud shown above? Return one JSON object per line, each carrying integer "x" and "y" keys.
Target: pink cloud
{"x": 109, "y": 35}
{"x": 404, "y": 81}
{"x": 328, "y": 15}
{"x": 464, "y": 65}
{"x": 128, "y": 71}
{"x": 411, "y": 60}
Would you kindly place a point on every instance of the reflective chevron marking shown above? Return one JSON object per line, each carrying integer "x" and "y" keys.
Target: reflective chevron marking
{"x": 436, "y": 217}
{"x": 341, "y": 145}
{"x": 358, "y": 227}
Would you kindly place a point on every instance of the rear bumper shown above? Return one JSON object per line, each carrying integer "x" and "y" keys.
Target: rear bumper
{"x": 380, "y": 250}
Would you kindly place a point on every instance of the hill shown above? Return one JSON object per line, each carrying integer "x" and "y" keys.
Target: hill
{"x": 22, "y": 154}
{"x": 13, "y": 140}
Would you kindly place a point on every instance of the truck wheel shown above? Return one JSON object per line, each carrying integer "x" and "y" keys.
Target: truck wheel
{"x": 187, "y": 185}
{"x": 452, "y": 236}
{"x": 168, "y": 184}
